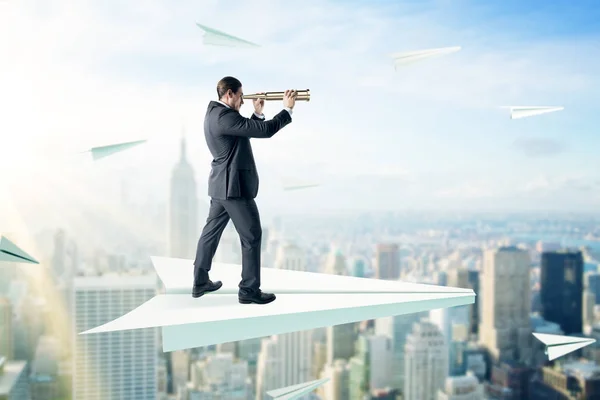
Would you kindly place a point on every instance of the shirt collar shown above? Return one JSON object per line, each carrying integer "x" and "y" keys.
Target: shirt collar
{"x": 219, "y": 101}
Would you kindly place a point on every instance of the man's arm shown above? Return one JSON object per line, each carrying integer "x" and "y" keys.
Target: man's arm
{"x": 232, "y": 123}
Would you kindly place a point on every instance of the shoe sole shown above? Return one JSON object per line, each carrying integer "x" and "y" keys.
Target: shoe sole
{"x": 196, "y": 295}
{"x": 244, "y": 301}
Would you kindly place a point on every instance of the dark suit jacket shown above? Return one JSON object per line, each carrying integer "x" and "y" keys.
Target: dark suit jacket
{"x": 233, "y": 173}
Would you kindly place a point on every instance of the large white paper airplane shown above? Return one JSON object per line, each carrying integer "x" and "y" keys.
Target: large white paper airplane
{"x": 217, "y": 38}
{"x": 558, "y": 345}
{"x": 9, "y": 252}
{"x": 305, "y": 300}
{"x": 411, "y": 57}
{"x": 105, "y": 151}
{"x": 517, "y": 112}
{"x": 296, "y": 391}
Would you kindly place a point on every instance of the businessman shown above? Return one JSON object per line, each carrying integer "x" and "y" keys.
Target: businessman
{"x": 233, "y": 185}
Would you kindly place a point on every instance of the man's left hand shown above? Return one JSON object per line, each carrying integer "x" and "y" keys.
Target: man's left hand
{"x": 259, "y": 104}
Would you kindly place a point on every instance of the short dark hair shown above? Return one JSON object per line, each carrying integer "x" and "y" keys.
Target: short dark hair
{"x": 229, "y": 82}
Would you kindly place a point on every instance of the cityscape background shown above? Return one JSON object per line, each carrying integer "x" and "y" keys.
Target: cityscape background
{"x": 531, "y": 273}
{"x": 423, "y": 179}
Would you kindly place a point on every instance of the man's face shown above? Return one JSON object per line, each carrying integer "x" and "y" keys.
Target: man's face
{"x": 235, "y": 99}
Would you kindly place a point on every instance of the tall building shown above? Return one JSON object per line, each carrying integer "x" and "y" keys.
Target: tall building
{"x": 340, "y": 341}
{"x": 6, "y": 329}
{"x": 589, "y": 301}
{"x": 183, "y": 209}
{"x": 291, "y": 257}
{"x": 388, "y": 261}
{"x": 379, "y": 361}
{"x": 115, "y": 365}
{"x": 505, "y": 325}
{"x": 446, "y": 319}
{"x": 336, "y": 263}
{"x": 593, "y": 285}
{"x": 338, "y": 386}
{"x": 359, "y": 369}
{"x": 285, "y": 359}
{"x": 14, "y": 380}
{"x": 562, "y": 288}
{"x": 426, "y": 361}
{"x": 267, "y": 367}
{"x": 340, "y": 338}
{"x": 397, "y": 329}
{"x": 474, "y": 313}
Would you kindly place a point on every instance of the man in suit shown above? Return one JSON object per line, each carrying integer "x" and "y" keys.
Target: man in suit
{"x": 233, "y": 185}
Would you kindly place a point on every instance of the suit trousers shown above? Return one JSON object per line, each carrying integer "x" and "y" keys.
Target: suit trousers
{"x": 246, "y": 219}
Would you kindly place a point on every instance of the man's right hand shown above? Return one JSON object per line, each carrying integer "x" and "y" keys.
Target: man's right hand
{"x": 289, "y": 98}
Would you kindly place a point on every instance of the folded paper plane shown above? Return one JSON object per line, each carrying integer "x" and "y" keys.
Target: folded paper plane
{"x": 305, "y": 300}
{"x": 288, "y": 188}
{"x": 217, "y": 38}
{"x": 296, "y": 391}
{"x": 517, "y": 112}
{"x": 11, "y": 253}
{"x": 290, "y": 185}
{"x": 105, "y": 151}
{"x": 411, "y": 57}
{"x": 558, "y": 346}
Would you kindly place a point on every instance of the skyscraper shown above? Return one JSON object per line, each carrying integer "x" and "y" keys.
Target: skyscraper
{"x": 340, "y": 338}
{"x": 561, "y": 292}
{"x": 397, "y": 329}
{"x": 286, "y": 359}
{"x": 426, "y": 361}
{"x": 505, "y": 326}
{"x": 183, "y": 209}
{"x": 388, "y": 261}
{"x": 114, "y": 365}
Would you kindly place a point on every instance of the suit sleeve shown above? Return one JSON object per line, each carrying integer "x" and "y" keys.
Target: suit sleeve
{"x": 233, "y": 124}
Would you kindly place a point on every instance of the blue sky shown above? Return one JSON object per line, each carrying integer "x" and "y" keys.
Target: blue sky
{"x": 428, "y": 136}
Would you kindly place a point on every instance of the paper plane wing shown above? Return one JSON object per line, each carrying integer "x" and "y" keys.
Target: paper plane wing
{"x": 558, "y": 345}
{"x": 411, "y": 57}
{"x": 295, "y": 391}
{"x": 304, "y": 301}
{"x": 11, "y": 253}
{"x": 517, "y": 112}
{"x": 217, "y": 38}
{"x": 105, "y": 151}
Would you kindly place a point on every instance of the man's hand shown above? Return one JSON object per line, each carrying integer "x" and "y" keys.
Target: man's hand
{"x": 259, "y": 104}
{"x": 289, "y": 98}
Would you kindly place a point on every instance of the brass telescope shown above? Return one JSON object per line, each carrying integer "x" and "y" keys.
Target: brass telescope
{"x": 303, "y": 95}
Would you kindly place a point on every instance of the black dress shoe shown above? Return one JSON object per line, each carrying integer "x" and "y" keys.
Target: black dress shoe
{"x": 256, "y": 298}
{"x": 209, "y": 286}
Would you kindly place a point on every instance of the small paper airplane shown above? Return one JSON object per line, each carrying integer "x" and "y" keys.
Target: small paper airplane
{"x": 294, "y": 184}
{"x": 557, "y": 345}
{"x": 217, "y": 38}
{"x": 517, "y": 112}
{"x": 295, "y": 391}
{"x": 105, "y": 151}
{"x": 411, "y": 57}
{"x": 305, "y": 300}
{"x": 11, "y": 253}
